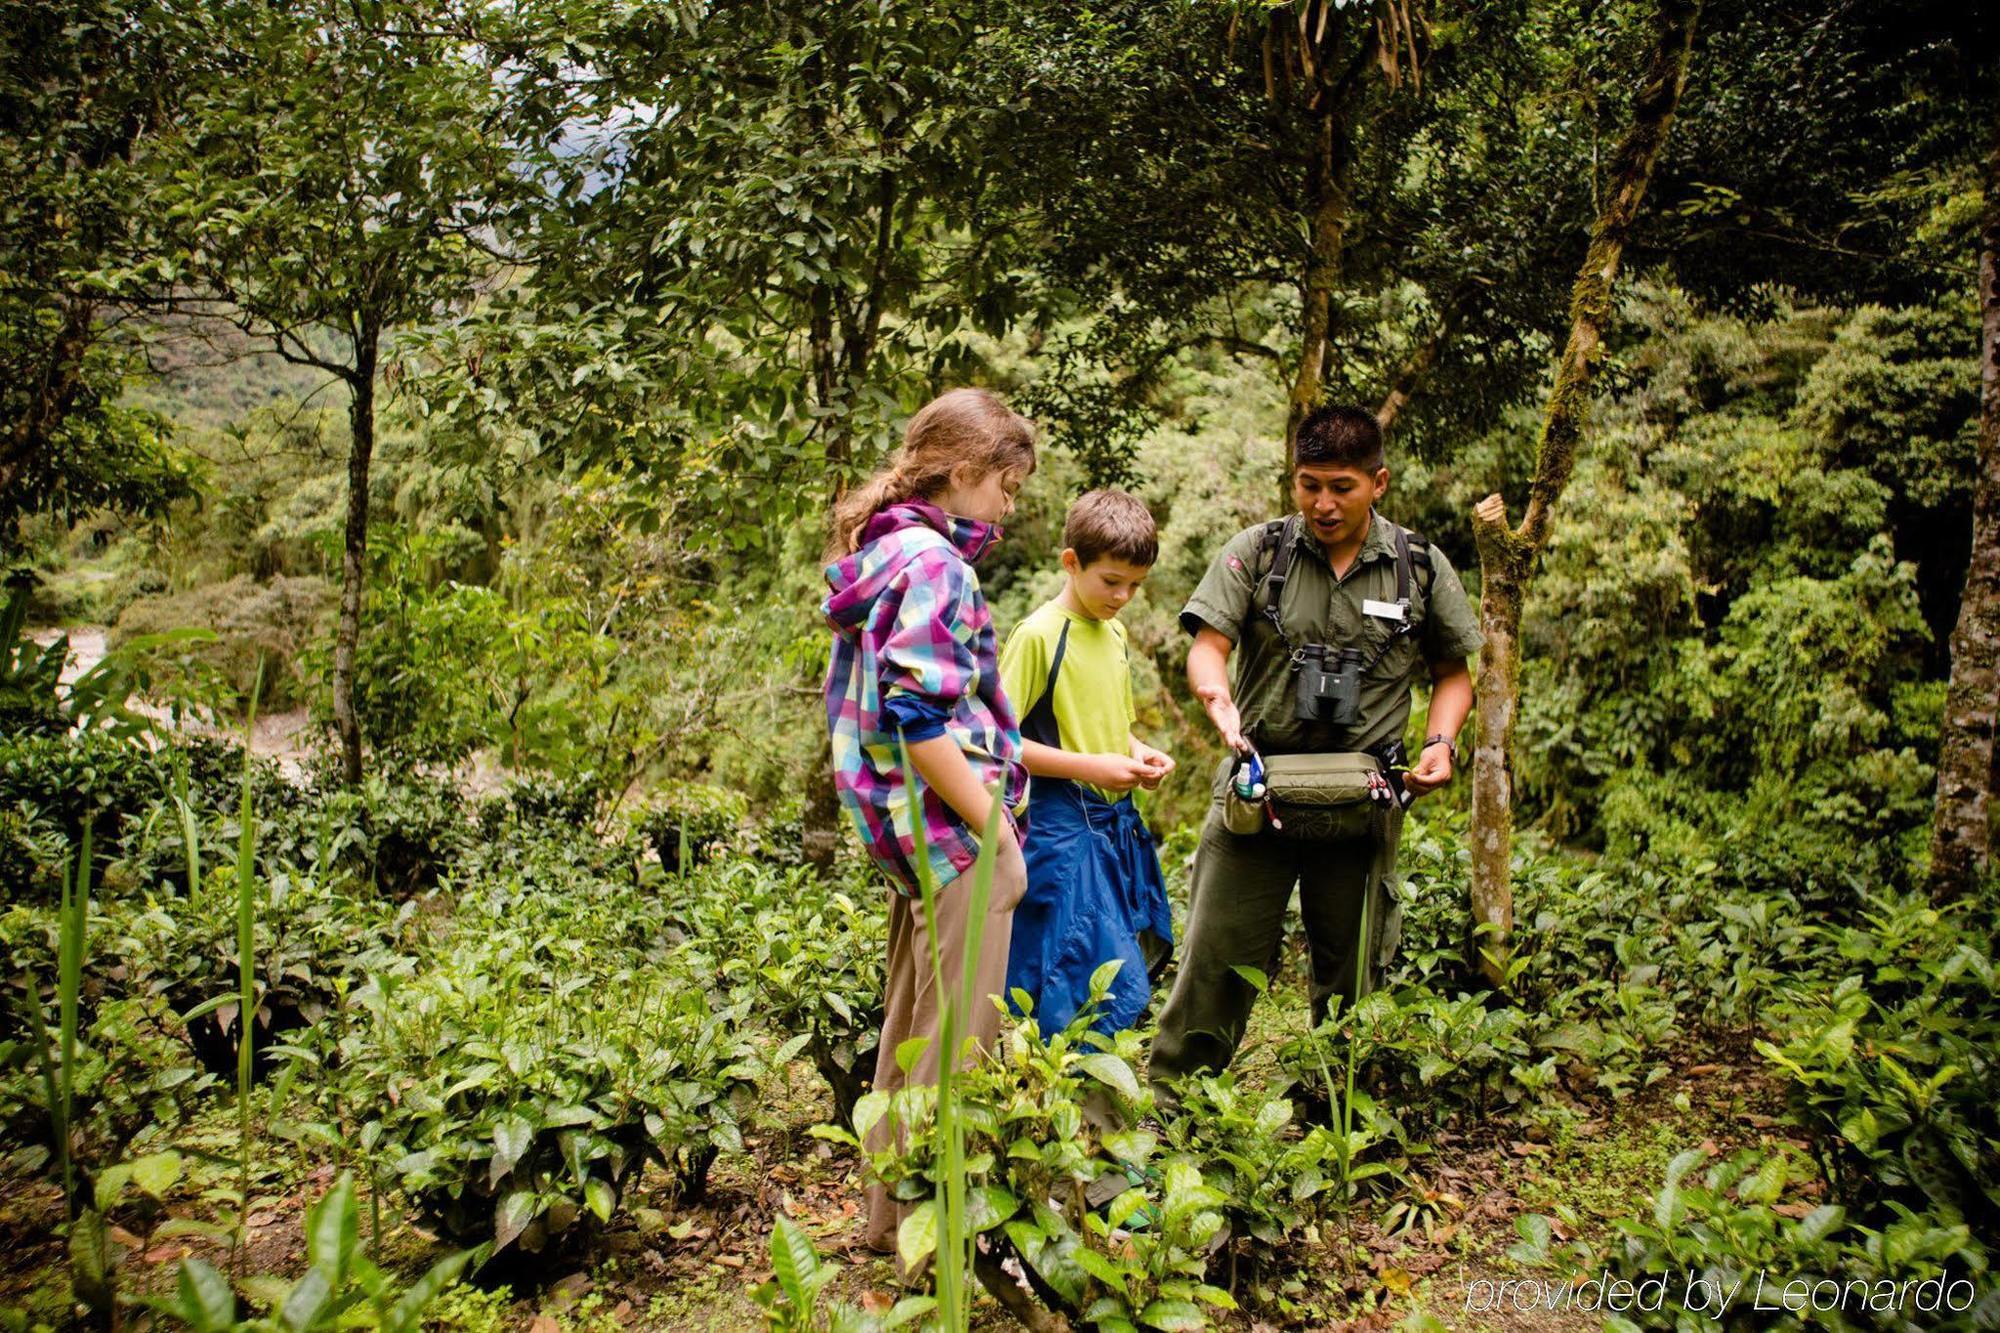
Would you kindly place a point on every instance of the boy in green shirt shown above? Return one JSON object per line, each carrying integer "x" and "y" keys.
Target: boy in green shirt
{"x": 1094, "y": 886}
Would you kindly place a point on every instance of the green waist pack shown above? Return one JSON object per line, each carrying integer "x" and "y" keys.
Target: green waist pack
{"x": 1310, "y": 796}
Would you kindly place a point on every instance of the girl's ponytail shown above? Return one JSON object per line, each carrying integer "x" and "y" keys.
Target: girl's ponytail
{"x": 852, "y": 511}
{"x": 960, "y": 428}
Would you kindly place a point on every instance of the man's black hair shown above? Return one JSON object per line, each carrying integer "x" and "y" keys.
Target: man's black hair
{"x": 1339, "y": 437}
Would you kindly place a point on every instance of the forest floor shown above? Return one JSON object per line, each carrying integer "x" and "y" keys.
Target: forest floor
{"x": 691, "y": 1267}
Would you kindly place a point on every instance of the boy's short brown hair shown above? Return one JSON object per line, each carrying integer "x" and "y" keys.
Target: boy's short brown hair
{"x": 1114, "y": 523}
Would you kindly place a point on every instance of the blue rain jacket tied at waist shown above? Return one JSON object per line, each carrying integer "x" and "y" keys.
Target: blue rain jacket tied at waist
{"x": 1094, "y": 884}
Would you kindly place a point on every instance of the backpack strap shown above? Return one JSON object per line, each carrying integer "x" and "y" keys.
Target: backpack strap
{"x": 1040, "y": 723}
{"x": 1413, "y": 563}
{"x": 1280, "y": 539}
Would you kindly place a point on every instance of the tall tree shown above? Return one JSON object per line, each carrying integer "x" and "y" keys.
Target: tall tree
{"x": 770, "y": 269}
{"x": 1370, "y": 197}
{"x": 339, "y": 178}
{"x": 1507, "y": 555}
{"x": 84, "y": 86}
{"x": 1961, "y": 827}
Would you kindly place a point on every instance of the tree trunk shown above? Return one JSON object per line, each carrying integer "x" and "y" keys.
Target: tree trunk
{"x": 1960, "y": 832}
{"x": 1327, "y": 192}
{"x": 819, "y": 821}
{"x": 1507, "y": 556}
{"x": 1410, "y": 375}
{"x": 1497, "y": 692}
{"x": 354, "y": 553}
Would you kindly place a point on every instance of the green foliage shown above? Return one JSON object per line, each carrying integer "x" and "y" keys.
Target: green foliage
{"x": 35, "y": 701}
{"x": 1721, "y": 1237}
{"x": 1726, "y": 649}
{"x": 791, "y": 1299}
{"x": 1031, "y": 1151}
{"x": 1895, "y": 1066}
{"x": 246, "y": 626}
{"x": 82, "y": 95}
{"x": 514, "y": 1110}
{"x": 1279, "y": 1182}
{"x": 340, "y": 1288}
{"x": 807, "y": 951}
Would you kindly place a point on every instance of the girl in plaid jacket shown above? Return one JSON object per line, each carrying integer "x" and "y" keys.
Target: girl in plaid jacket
{"x": 915, "y": 660}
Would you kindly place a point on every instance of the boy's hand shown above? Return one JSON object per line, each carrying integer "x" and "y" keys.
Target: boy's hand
{"x": 1158, "y": 764}
{"x": 1117, "y": 772}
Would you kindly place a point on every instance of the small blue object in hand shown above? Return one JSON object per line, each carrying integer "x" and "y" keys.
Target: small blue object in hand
{"x": 1249, "y": 779}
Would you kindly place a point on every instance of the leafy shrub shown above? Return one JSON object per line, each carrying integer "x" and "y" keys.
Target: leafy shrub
{"x": 1032, "y": 1153}
{"x": 1279, "y": 1185}
{"x": 50, "y": 785}
{"x": 515, "y": 1110}
{"x": 133, "y": 1079}
{"x": 703, "y": 817}
{"x": 341, "y": 1287}
{"x": 310, "y": 942}
{"x": 395, "y": 834}
{"x": 1898, "y": 1065}
{"x": 269, "y": 623}
{"x": 813, "y": 957}
{"x": 1721, "y": 1243}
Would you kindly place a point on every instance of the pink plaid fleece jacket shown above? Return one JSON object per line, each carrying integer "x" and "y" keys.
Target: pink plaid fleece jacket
{"x": 913, "y": 648}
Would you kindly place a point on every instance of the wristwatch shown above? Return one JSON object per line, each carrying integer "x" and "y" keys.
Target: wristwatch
{"x": 1441, "y": 739}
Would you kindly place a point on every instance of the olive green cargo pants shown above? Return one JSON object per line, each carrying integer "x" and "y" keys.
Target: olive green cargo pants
{"x": 1238, "y": 899}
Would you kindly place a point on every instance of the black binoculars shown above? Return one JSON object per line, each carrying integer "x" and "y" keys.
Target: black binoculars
{"x": 1329, "y": 685}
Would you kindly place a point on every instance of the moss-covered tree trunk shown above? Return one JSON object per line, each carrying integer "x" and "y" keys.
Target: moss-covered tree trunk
{"x": 843, "y": 342}
{"x": 354, "y": 548}
{"x": 1507, "y": 555}
{"x": 1329, "y": 195}
{"x": 1960, "y": 827}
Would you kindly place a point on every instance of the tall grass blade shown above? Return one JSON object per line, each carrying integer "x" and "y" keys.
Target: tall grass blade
{"x": 1361, "y": 953}
{"x": 75, "y": 924}
{"x": 954, "y": 1243}
{"x": 190, "y": 828}
{"x": 246, "y": 964}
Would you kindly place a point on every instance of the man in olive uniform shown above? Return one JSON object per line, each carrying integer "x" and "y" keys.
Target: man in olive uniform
{"x": 1336, "y": 575}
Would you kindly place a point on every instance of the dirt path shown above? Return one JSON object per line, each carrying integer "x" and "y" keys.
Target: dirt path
{"x": 278, "y": 736}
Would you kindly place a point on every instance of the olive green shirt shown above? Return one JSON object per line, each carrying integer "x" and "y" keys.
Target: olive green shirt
{"x": 1316, "y": 607}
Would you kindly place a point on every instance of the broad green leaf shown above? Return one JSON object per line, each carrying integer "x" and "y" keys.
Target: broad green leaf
{"x": 511, "y": 1136}
{"x": 793, "y": 1261}
{"x": 333, "y": 1230}
{"x": 987, "y": 1206}
{"x": 511, "y": 1216}
{"x": 304, "y": 1304}
{"x": 1820, "y": 1223}
{"x": 204, "y": 1297}
{"x": 1111, "y": 1070}
{"x": 111, "y": 1183}
{"x": 157, "y": 1173}
{"x": 909, "y": 1051}
{"x": 1175, "y": 1316}
{"x": 916, "y": 1238}
{"x": 597, "y": 1192}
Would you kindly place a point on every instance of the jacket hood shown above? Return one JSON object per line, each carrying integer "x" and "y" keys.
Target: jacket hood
{"x": 856, "y": 580}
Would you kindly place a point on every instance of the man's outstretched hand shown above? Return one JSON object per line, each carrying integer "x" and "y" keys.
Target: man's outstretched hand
{"x": 1222, "y": 712}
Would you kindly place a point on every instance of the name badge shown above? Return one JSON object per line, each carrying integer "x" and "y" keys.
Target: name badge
{"x": 1382, "y": 610}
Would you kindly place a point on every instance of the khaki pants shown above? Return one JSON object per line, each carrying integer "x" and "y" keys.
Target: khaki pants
{"x": 1241, "y": 891}
{"x": 911, "y": 996}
